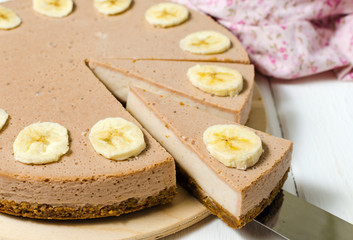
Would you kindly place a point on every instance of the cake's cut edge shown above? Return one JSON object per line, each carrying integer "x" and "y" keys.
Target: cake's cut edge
{"x": 46, "y": 211}
{"x": 191, "y": 185}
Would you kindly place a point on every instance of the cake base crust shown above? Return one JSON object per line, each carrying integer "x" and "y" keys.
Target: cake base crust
{"x": 190, "y": 184}
{"x": 46, "y": 211}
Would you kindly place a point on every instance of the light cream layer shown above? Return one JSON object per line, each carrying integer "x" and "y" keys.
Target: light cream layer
{"x": 179, "y": 129}
{"x": 169, "y": 78}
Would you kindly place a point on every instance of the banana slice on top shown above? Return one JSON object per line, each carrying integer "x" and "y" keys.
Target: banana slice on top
{"x": 3, "y": 118}
{"x": 53, "y": 8}
{"x": 205, "y": 42}
{"x": 117, "y": 138}
{"x": 216, "y": 80}
{"x": 166, "y": 14}
{"x": 8, "y": 19}
{"x": 233, "y": 145}
{"x": 41, "y": 143}
{"x": 112, "y": 7}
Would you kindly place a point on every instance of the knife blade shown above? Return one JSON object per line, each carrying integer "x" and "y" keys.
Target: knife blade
{"x": 294, "y": 218}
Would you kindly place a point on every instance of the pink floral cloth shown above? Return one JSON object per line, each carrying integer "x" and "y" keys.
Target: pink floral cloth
{"x": 289, "y": 38}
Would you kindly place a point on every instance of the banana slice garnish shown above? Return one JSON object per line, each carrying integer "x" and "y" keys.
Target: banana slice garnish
{"x": 205, "y": 42}
{"x": 3, "y": 118}
{"x": 112, "y": 7}
{"x": 53, "y": 8}
{"x": 166, "y": 14}
{"x": 117, "y": 138}
{"x": 216, "y": 80}
{"x": 233, "y": 145}
{"x": 8, "y": 19}
{"x": 41, "y": 143}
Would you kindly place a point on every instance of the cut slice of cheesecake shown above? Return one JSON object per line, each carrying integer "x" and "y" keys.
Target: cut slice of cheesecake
{"x": 236, "y": 196}
{"x": 170, "y": 78}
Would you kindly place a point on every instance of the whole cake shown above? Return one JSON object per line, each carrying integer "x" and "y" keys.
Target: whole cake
{"x": 69, "y": 149}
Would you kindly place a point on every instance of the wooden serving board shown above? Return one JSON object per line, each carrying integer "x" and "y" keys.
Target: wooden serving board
{"x": 151, "y": 223}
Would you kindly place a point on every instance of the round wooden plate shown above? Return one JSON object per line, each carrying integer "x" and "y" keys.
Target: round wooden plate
{"x": 151, "y": 223}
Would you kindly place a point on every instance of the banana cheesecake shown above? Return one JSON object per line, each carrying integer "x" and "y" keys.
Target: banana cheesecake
{"x": 174, "y": 78}
{"x": 233, "y": 170}
{"x": 69, "y": 149}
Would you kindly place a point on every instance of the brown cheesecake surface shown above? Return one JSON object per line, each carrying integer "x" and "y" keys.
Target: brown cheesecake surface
{"x": 85, "y": 33}
{"x": 179, "y": 129}
{"x": 156, "y": 76}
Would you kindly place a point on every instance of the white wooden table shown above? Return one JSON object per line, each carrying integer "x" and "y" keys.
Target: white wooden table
{"x": 316, "y": 113}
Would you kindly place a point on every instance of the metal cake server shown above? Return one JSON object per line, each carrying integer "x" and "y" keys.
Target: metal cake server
{"x": 294, "y": 218}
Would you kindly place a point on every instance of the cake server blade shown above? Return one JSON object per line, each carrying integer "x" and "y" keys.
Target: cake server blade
{"x": 294, "y": 218}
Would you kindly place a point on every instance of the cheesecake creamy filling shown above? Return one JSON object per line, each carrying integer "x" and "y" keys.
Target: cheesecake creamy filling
{"x": 82, "y": 192}
{"x": 118, "y": 83}
{"x": 186, "y": 158}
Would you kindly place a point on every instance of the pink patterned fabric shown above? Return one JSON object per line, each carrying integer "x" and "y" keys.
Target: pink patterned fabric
{"x": 289, "y": 38}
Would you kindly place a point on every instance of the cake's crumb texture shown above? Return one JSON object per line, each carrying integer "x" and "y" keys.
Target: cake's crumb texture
{"x": 45, "y": 211}
{"x": 190, "y": 184}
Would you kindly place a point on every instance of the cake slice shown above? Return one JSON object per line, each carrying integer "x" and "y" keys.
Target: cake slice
{"x": 170, "y": 78}
{"x": 236, "y": 196}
